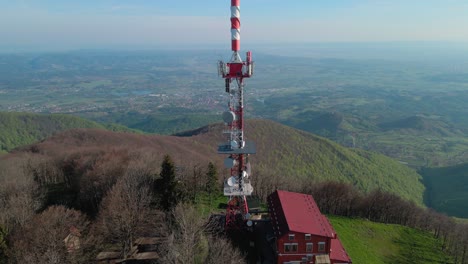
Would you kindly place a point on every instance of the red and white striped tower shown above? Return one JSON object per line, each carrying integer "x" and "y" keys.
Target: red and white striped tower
{"x": 237, "y": 186}
{"x": 235, "y": 25}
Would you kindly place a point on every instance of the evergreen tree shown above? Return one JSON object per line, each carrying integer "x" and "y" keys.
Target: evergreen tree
{"x": 168, "y": 184}
{"x": 211, "y": 186}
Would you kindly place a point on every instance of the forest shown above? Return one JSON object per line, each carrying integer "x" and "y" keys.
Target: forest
{"x": 115, "y": 194}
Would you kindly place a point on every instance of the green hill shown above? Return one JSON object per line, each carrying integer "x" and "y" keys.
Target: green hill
{"x": 447, "y": 189}
{"x": 421, "y": 124}
{"x": 370, "y": 242}
{"x": 289, "y": 155}
{"x": 287, "y": 152}
{"x": 18, "y": 129}
{"x": 325, "y": 124}
{"x": 163, "y": 122}
{"x": 333, "y": 125}
{"x": 417, "y": 140}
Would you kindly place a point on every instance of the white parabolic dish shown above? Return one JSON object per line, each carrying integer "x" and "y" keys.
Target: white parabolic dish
{"x": 231, "y": 181}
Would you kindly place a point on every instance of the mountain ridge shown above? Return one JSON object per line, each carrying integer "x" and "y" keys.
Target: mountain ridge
{"x": 18, "y": 128}
{"x": 285, "y": 154}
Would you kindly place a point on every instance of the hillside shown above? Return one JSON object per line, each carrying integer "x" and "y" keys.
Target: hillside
{"x": 327, "y": 124}
{"x": 287, "y": 152}
{"x": 417, "y": 140}
{"x": 421, "y": 124}
{"x": 162, "y": 122}
{"x": 447, "y": 189}
{"x": 284, "y": 155}
{"x": 376, "y": 243}
{"x": 18, "y": 129}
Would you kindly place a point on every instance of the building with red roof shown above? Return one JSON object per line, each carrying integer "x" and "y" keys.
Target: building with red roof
{"x": 303, "y": 234}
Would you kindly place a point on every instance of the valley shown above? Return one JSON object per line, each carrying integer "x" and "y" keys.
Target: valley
{"x": 410, "y": 110}
{"x": 395, "y": 130}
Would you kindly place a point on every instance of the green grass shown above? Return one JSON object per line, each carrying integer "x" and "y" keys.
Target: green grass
{"x": 375, "y": 243}
{"x": 447, "y": 189}
{"x": 206, "y": 205}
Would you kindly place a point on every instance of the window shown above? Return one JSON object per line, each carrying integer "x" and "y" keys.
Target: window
{"x": 309, "y": 257}
{"x": 294, "y": 247}
{"x": 291, "y": 236}
{"x": 309, "y": 247}
{"x": 304, "y": 261}
{"x": 290, "y": 247}
{"x": 307, "y": 236}
{"x": 321, "y": 246}
{"x": 287, "y": 247}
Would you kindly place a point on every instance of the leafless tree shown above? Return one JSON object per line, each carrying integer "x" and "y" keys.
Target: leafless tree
{"x": 20, "y": 196}
{"x": 189, "y": 242}
{"x": 42, "y": 239}
{"x": 126, "y": 211}
{"x": 463, "y": 241}
{"x": 334, "y": 197}
{"x": 265, "y": 184}
{"x": 186, "y": 245}
{"x": 222, "y": 251}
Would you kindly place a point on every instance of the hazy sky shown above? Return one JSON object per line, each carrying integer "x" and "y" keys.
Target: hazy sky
{"x": 62, "y": 24}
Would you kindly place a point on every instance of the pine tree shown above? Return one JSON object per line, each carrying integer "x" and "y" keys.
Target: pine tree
{"x": 168, "y": 184}
{"x": 211, "y": 186}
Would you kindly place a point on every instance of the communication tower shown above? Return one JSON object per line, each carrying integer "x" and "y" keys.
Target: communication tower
{"x": 238, "y": 185}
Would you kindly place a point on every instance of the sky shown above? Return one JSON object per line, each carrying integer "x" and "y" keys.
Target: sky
{"x": 134, "y": 24}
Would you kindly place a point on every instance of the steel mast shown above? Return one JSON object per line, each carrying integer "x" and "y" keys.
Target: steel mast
{"x": 237, "y": 186}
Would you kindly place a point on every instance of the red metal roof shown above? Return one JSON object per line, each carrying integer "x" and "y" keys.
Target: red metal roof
{"x": 338, "y": 253}
{"x": 297, "y": 212}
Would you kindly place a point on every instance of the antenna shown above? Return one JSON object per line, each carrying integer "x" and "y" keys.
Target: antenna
{"x": 232, "y": 181}
{"x": 238, "y": 186}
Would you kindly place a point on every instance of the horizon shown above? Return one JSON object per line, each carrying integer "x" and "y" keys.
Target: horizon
{"x": 416, "y": 51}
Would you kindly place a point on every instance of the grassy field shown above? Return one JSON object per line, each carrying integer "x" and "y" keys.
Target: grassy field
{"x": 369, "y": 242}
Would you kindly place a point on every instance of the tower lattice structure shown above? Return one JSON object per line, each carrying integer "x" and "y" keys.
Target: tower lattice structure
{"x": 238, "y": 185}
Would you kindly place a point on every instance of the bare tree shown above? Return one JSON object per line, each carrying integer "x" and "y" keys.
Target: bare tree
{"x": 126, "y": 212}
{"x": 334, "y": 197}
{"x": 42, "y": 239}
{"x": 189, "y": 242}
{"x": 265, "y": 184}
{"x": 20, "y": 195}
{"x": 463, "y": 241}
{"x": 222, "y": 251}
{"x": 186, "y": 245}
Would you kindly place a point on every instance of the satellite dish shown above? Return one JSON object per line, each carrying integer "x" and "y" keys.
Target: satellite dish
{"x": 247, "y": 216}
{"x": 229, "y": 163}
{"x": 248, "y": 168}
{"x": 231, "y": 181}
{"x": 229, "y": 117}
{"x": 249, "y": 223}
{"x": 245, "y": 174}
{"x": 234, "y": 144}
